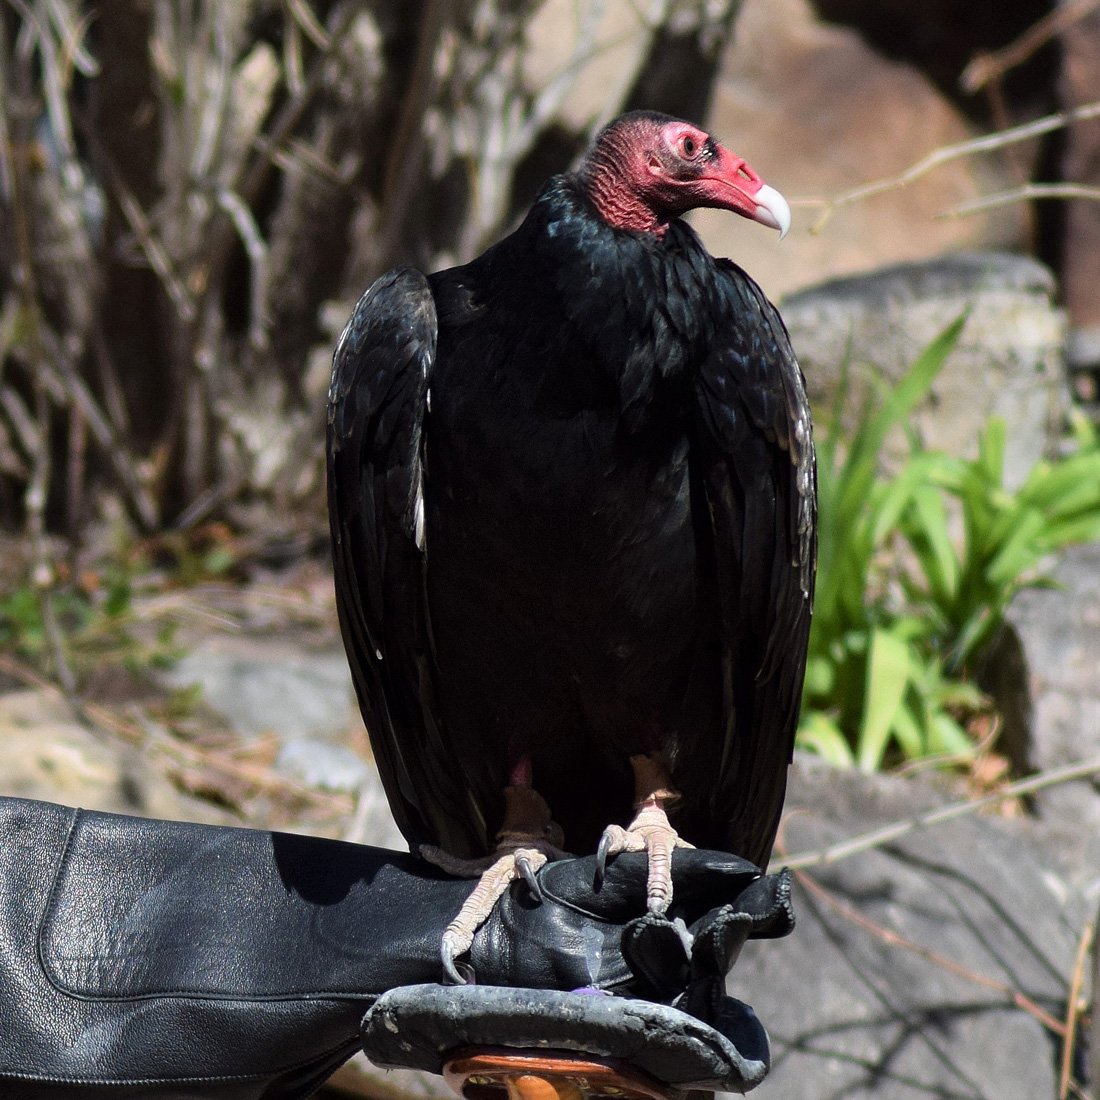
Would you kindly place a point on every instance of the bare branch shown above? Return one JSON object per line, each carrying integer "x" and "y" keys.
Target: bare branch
{"x": 1073, "y": 1008}
{"x": 877, "y": 837}
{"x": 72, "y": 27}
{"x": 54, "y": 84}
{"x": 550, "y": 98}
{"x": 21, "y": 420}
{"x": 63, "y": 373}
{"x": 213, "y": 101}
{"x": 303, "y": 16}
{"x": 256, "y": 249}
{"x": 155, "y": 252}
{"x": 251, "y": 179}
{"x": 36, "y": 491}
{"x": 947, "y": 153}
{"x": 1026, "y": 193}
{"x": 408, "y": 134}
{"x": 986, "y": 68}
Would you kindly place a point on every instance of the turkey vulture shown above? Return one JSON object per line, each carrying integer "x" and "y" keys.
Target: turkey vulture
{"x": 572, "y": 499}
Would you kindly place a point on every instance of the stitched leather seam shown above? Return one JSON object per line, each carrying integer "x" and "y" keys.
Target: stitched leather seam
{"x": 51, "y": 898}
{"x": 59, "y": 984}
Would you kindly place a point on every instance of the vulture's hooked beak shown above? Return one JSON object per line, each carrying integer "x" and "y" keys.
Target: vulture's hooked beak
{"x": 738, "y": 187}
{"x": 772, "y": 210}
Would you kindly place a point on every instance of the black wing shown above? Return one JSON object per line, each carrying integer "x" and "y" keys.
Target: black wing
{"x": 377, "y": 404}
{"x": 755, "y": 457}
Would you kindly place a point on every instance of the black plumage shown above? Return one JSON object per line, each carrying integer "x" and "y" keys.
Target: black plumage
{"x": 571, "y": 490}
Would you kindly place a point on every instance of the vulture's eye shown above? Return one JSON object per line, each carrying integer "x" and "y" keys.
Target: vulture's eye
{"x": 689, "y": 146}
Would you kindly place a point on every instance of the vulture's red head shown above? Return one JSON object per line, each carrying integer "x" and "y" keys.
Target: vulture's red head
{"x": 644, "y": 169}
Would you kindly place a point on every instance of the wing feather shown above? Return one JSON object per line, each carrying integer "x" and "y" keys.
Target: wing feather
{"x": 377, "y": 405}
{"x": 756, "y": 462}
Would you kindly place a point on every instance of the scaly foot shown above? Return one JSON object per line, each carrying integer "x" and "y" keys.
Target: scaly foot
{"x": 649, "y": 832}
{"x": 527, "y": 839}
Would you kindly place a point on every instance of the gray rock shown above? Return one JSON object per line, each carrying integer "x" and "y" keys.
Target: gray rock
{"x": 1059, "y": 629}
{"x": 1008, "y": 361}
{"x": 303, "y": 695}
{"x": 317, "y": 763}
{"x": 989, "y": 912}
{"x": 265, "y": 685}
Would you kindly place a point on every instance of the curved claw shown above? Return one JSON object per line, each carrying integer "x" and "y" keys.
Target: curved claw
{"x": 603, "y": 852}
{"x": 527, "y": 871}
{"x": 450, "y": 967}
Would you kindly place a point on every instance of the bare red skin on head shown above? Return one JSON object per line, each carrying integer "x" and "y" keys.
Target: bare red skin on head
{"x": 644, "y": 170}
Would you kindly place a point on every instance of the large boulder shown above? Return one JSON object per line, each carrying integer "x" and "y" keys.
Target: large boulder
{"x": 1059, "y": 633}
{"x": 869, "y": 328}
{"x": 300, "y": 694}
{"x": 817, "y": 112}
{"x": 929, "y": 966}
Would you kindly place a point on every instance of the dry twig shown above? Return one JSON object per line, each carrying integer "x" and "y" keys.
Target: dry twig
{"x": 17, "y": 103}
{"x": 1073, "y": 1008}
{"x": 947, "y": 153}
{"x": 987, "y": 68}
{"x": 875, "y": 838}
{"x": 1026, "y": 193}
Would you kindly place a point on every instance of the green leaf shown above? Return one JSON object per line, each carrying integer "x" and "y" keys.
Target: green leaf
{"x": 949, "y": 738}
{"x": 991, "y": 451}
{"x": 931, "y": 539}
{"x": 909, "y": 733}
{"x": 859, "y": 470}
{"x": 1057, "y": 536}
{"x": 893, "y": 499}
{"x": 820, "y": 676}
{"x": 1062, "y": 490}
{"x": 904, "y": 604}
{"x": 119, "y": 595}
{"x": 820, "y": 734}
{"x": 887, "y": 676}
{"x": 1019, "y": 552}
{"x": 975, "y": 632}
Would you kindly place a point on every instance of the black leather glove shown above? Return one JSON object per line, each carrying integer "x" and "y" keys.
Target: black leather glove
{"x": 672, "y": 1020}
{"x": 159, "y": 959}
{"x": 686, "y": 1032}
{"x": 581, "y": 937}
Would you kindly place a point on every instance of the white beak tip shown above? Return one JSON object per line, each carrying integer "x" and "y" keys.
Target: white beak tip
{"x": 772, "y": 210}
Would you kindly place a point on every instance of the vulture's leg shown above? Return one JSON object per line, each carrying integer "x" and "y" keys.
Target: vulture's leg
{"x": 649, "y": 832}
{"x": 528, "y": 837}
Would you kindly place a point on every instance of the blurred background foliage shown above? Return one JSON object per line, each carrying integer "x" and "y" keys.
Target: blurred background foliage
{"x": 187, "y": 186}
{"x": 192, "y": 196}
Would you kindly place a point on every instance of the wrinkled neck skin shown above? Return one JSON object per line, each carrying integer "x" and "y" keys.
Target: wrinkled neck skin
{"x": 615, "y": 201}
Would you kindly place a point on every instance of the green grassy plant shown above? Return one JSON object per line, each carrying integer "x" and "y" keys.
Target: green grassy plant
{"x": 916, "y": 571}
{"x": 95, "y": 626}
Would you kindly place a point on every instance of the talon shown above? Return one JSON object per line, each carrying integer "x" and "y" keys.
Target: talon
{"x": 527, "y": 871}
{"x": 458, "y": 937}
{"x": 602, "y": 854}
{"x": 448, "y": 953}
{"x": 524, "y": 843}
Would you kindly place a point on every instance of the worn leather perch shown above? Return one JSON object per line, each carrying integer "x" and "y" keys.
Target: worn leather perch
{"x": 145, "y": 959}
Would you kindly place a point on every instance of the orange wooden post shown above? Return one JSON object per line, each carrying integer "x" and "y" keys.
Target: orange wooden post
{"x": 535, "y": 1075}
